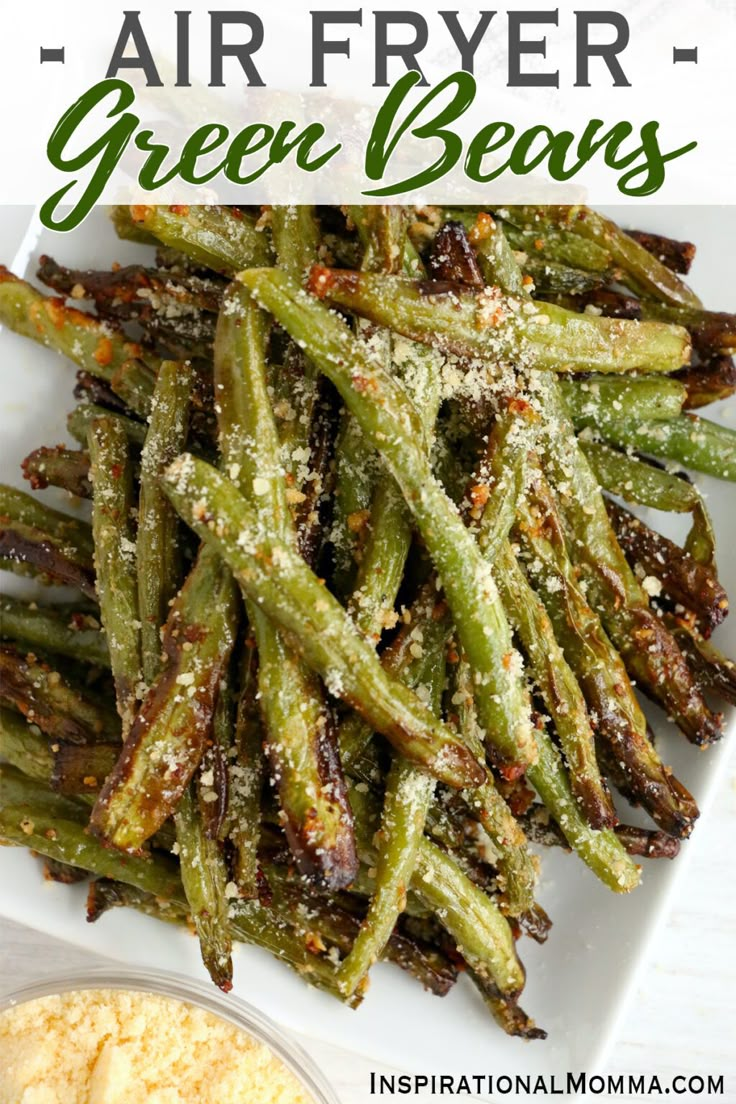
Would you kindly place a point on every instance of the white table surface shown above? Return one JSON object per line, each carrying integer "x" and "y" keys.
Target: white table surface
{"x": 683, "y": 1017}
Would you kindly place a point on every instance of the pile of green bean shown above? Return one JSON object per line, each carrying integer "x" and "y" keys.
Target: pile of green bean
{"x": 360, "y": 606}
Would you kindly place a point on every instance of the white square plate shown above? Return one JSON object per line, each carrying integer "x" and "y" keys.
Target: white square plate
{"x": 578, "y": 982}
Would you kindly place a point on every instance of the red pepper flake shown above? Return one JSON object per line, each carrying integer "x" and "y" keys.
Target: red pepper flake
{"x": 314, "y": 943}
{"x": 521, "y": 407}
{"x": 511, "y": 771}
{"x": 56, "y": 311}
{"x": 479, "y": 495}
{"x": 320, "y": 280}
{"x": 365, "y": 383}
{"x": 103, "y": 352}
{"x": 482, "y": 230}
{"x": 358, "y": 520}
{"x": 519, "y": 800}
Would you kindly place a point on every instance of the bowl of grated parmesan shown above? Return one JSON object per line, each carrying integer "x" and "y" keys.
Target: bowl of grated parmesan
{"x": 111, "y": 1037}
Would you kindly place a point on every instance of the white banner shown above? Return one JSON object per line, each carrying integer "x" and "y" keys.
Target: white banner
{"x": 621, "y": 101}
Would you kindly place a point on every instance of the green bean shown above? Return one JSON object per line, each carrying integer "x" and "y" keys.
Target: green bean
{"x": 382, "y": 231}
{"x": 93, "y": 345}
{"x": 708, "y": 383}
{"x": 205, "y": 878}
{"x": 648, "y": 649}
{"x": 288, "y": 592}
{"x": 356, "y": 469}
{"x": 255, "y": 924}
{"x": 23, "y": 747}
{"x": 516, "y": 873}
{"x": 675, "y": 255}
{"x": 31, "y": 511}
{"x": 637, "y": 481}
{"x": 167, "y": 739}
{"x": 84, "y": 414}
{"x": 688, "y": 440}
{"x": 212, "y": 781}
{"x": 75, "y": 633}
{"x": 559, "y": 689}
{"x": 338, "y": 923}
{"x": 642, "y": 270}
{"x": 134, "y": 383}
{"x": 481, "y": 932}
{"x": 104, "y": 894}
{"x": 18, "y": 790}
{"x": 389, "y": 419}
{"x": 505, "y": 1011}
{"x": 621, "y": 726}
{"x": 599, "y": 850}
{"x": 156, "y": 547}
{"x": 37, "y": 539}
{"x": 245, "y": 778}
{"x": 552, "y": 279}
{"x": 493, "y": 498}
{"x": 714, "y": 673}
{"x": 38, "y": 819}
{"x": 217, "y": 237}
{"x": 62, "y": 873}
{"x": 554, "y": 245}
{"x": 651, "y": 655}
{"x": 689, "y": 586}
{"x": 58, "y": 467}
{"x": 386, "y": 547}
{"x": 499, "y": 483}
{"x": 126, "y": 228}
{"x": 49, "y": 699}
{"x": 469, "y": 916}
{"x": 712, "y": 332}
{"x": 135, "y": 293}
{"x": 295, "y": 237}
{"x": 112, "y": 505}
{"x": 27, "y": 550}
{"x": 595, "y": 402}
{"x": 305, "y": 432}
{"x": 81, "y": 769}
{"x": 498, "y": 264}
{"x": 304, "y": 763}
{"x": 423, "y": 633}
{"x": 407, "y": 799}
{"x": 493, "y": 326}
{"x": 382, "y": 562}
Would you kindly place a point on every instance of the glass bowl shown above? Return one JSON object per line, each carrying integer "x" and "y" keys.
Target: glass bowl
{"x": 199, "y": 994}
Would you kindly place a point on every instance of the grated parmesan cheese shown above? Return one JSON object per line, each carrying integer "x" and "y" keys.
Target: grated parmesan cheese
{"x": 116, "y": 1047}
